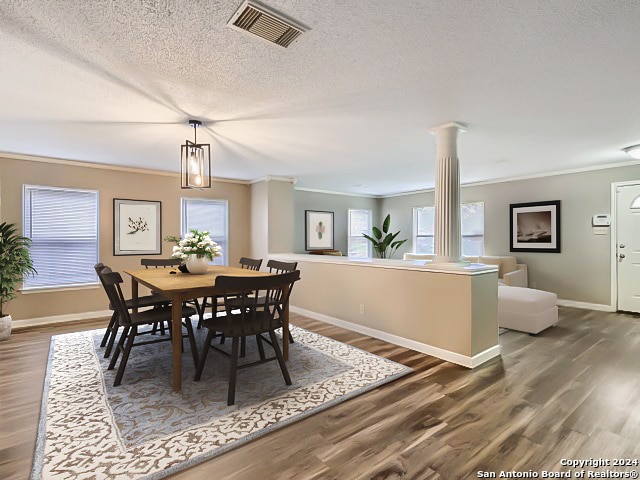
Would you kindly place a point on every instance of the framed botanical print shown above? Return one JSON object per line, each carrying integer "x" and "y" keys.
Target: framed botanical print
{"x": 318, "y": 230}
{"x": 137, "y": 227}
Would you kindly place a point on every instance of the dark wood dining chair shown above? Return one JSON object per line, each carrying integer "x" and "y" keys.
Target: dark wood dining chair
{"x": 216, "y": 303}
{"x": 256, "y": 311}
{"x": 170, "y": 263}
{"x": 250, "y": 263}
{"x": 109, "y": 338}
{"x": 132, "y": 321}
{"x": 276, "y": 266}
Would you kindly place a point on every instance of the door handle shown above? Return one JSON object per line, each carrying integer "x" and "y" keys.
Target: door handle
{"x": 622, "y": 245}
{"x": 622, "y": 255}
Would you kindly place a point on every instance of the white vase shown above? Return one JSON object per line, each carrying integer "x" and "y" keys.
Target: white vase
{"x": 197, "y": 265}
{"x": 5, "y": 327}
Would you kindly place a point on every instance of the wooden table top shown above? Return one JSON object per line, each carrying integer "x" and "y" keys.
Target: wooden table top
{"x": 160, "y": 279}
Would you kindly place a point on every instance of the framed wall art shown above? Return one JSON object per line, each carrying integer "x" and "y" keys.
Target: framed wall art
{"x": 137, "y": 227}
{"x": 535, "y": 227}
{"x": 318, "y": 230}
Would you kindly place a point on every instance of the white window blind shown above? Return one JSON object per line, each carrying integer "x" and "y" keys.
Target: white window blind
{"x": 423, "y": 224}
{"x": 63, "y": 227}
{"x": 209, "y": 215}
{"x": 359, "y": 223}
{"x": 472, "y": 224}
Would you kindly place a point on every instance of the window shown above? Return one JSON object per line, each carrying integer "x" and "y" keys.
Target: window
{"x": 210, "y": 215}
{"x": 359, "y": 223}
{"x": 423, "y": 225}
{"x": 472, "y": 223}
{"x": 62, "y": 224}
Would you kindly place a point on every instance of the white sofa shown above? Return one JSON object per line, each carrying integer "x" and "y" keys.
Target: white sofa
{"x": 510, "y": 272}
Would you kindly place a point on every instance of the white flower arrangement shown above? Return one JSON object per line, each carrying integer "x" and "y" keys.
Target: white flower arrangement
{"x": 195, "y": 243}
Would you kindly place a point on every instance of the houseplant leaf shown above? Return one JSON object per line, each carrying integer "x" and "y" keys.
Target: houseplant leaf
{"x": 386, "y": 223}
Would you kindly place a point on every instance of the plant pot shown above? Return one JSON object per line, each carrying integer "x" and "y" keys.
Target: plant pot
{"x": 5, "y": 327}
{"x": 197, "y": 265}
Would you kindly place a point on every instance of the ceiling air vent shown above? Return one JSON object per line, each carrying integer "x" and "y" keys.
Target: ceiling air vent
{"x": 266, "y": 24}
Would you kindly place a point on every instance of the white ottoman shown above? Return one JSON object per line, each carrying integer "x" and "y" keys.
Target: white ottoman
{"x": 526, "y": 309}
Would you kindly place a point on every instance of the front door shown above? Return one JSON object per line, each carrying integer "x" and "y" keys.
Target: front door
{"x": 628, "y": 247}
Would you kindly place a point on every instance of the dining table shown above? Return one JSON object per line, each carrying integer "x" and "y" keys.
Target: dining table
{"x": 180, "y": 287}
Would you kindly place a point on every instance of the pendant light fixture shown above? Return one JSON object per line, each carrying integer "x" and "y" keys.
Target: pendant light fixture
{"x": 195, "y": 161}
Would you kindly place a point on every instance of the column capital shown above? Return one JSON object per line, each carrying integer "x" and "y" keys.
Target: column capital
{"x": 459, "y": 126}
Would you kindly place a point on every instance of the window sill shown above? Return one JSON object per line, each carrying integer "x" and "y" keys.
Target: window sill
{"x": 29, "y": 291}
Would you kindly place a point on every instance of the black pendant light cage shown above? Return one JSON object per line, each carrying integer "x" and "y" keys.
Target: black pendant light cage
{"x": 195, "y": 160}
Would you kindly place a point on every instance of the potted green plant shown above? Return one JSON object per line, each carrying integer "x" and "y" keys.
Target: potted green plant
{"x": 15, "y": 263}
{"x": 384, "y": 243}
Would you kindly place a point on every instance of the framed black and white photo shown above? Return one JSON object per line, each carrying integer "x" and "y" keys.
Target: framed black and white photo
{"x": 318, "y": 230}
{"x": 137, "y": 227}
{"x": 535, "y": 227}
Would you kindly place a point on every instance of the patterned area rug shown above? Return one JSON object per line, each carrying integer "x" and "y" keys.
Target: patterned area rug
{"x": 142, "y": 430}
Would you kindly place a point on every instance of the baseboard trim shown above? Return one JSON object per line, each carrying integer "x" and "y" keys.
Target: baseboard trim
{"x": 447, "y": 355}
{"x": 588, "y": 306}
{"x": 72, "y": 317}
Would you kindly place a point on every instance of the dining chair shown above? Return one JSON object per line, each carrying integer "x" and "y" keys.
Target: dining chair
{"x": 276, "y": 266}
{"x": 131, "y": 322}
{"x": 216, "y": 303}
{"x": 109, "y": 338}
{"x": 167, "y": 263}
{"x": 247, "y": 316}
{"x": 250, "y": 263}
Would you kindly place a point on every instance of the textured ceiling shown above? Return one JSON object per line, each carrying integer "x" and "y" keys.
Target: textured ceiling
{"x": 542, "y": 85}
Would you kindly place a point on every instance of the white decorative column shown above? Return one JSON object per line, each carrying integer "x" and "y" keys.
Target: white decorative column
{"x": 448, "y": 238}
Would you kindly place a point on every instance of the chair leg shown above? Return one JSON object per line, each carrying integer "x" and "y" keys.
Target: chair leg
{"x": 233, "y": 371}
{"x": 243, "y": 347}
{"x": 203, "y": 309}
{"x": 192, "y": 341}
{"x": 199, "y": 310}
{"x": 125, "y": 355}
{"x": 276, "y": 348}
{"x": 119, "y": 347}
{"x": 260, "y": 347}
{"x": 112, "y": 337}
{"x": 112, "y": 324}
{"x": 161, "y": 328}
{"x": 203, "y": 355}
{"x": 291, "y": 338}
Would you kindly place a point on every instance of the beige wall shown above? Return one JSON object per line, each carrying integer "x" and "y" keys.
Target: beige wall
{"x": 582, "y": 272}
{"x": 112, "y": 184}
{"x": 280, "y": 216}
{"x": 259, "y": 220}
{"x": 271, "y": 218}
{"x": 456, "y": 313}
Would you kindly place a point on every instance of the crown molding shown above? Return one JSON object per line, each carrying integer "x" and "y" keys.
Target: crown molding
{"x": 272, "y": 178}
{"x": 102, "y": 166}
{"x": 331, "y": 192}
{"x": 593, "y": 168}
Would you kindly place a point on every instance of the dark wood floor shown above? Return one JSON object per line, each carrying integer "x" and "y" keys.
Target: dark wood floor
{"x": 571, "y": 392}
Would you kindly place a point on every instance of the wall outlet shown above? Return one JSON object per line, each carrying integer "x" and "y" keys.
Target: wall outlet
{"x": 361, "y": 309}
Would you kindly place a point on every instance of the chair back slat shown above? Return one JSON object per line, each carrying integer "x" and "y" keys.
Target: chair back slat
{"x": 253, "y": 303}
{"x": 250, "y": 263}
{"x": 111, "y": 281}
{"x": 276, "y": 266}
{"x": 160, "y": 262}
